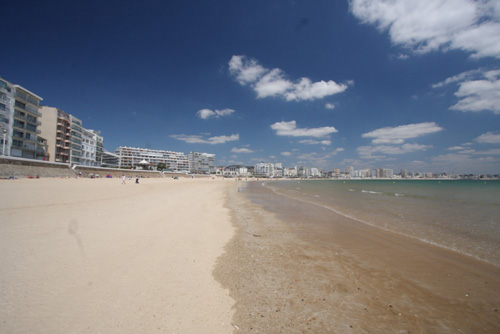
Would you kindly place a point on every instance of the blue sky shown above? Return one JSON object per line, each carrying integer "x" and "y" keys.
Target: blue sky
{"x": 329, "y": 84}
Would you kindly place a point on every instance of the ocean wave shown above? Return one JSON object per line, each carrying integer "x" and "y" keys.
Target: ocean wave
{"x": 371, "y": 192}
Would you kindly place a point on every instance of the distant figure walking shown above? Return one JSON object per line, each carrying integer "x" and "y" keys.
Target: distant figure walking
{"x": 123, "y": 179}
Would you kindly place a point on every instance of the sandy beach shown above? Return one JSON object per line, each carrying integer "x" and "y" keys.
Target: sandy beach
{"x": 95, "y": 256}
{"x": 198, "y": 256}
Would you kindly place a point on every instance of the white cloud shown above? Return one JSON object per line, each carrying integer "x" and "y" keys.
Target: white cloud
{"x": 286, "y": 154}
{"x": 478, "y": 95}
{"x": 489, "y": 138}
{"x": 290, "y": 129}
{"x": 315, "y": 142}
{"x": 329, "y": 106}
{"x": 241, "y": 150}
{"x": 245, "y": 70}
{"x": 368, "y": 151}
{"x": 478, "y": 90}
{"x": 398, "y": 134}
{"x": 273, "y": 82}
{"x": 457, "y": 78}
{"x": 456, "y": 148}
{"x": 207, "y": 113}
{"x": 197, "y": 139}
{"x": 431, "y": 25}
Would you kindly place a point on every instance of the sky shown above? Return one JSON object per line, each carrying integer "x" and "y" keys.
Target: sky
{"x": 409, "y": 85}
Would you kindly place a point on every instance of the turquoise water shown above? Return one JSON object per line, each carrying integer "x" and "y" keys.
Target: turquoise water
{"x": 461, "y": 215}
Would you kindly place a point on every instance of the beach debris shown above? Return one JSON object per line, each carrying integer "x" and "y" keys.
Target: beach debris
{"x": 257, "y": 235}
{"x": 236, "y": 327}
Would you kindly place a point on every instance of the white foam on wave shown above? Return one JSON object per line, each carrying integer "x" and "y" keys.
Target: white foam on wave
{"x": 371, "y": 192}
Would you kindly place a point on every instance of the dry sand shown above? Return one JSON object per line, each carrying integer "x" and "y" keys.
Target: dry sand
{"x": 95, "y": 256}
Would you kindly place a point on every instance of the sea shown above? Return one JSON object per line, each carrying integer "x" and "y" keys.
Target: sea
{"x": 459, "y": 215}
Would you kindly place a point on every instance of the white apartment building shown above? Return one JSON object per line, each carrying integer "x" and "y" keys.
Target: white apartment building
{"x": 290, "y": 172}
{"x": 264, "y": 170}
{"x": 19, "y": 121}
{"x": 89, "y": 148}
{"x": 203, "y": 163}
{"x": 315, "y": 172}
{"x": 131, "y": 157}
{"x": 364, "y": 173}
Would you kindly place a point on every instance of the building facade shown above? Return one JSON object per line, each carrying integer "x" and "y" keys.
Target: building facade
{"x": 203, "y": 163}
{"x": 67, "y": 140}
{"x": 130, "y": 157}
{"x": 19, "y": 117}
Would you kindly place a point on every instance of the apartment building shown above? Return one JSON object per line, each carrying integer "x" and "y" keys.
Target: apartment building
{"x": 264, "y": 169}
{"x": 88, "y": 157}
{"x": 203, "y": 163}
{"x": 131, "y": 157}
{"x": 19, "y": 117}
{"x": 67, "y": 140}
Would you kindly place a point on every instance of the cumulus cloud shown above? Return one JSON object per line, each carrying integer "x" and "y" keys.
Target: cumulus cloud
{"x": 207, "y": 113}
{"x": 329, "y": 106}
{"x": 198, "y": 139}
{"x": 241, "y": 150}
{"x": 398, "y": 134}
{"x": 436, "y": 25}
{"x": 273, "y": 82}
{"x": 489, "y": 138}
{"x": 290, "y": 129}
{"x": 286, "y": 154}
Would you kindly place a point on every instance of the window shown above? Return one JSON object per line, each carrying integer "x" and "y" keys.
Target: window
{"x": 19, "y": 134}
{"x": 20, "y": 105}
{"x": 30, "y": 127}
{"x": 2, "y": 106}
{"x": 19, "y": 124}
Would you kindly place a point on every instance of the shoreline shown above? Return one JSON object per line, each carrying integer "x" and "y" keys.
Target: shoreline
{"x": 289, "y": 272}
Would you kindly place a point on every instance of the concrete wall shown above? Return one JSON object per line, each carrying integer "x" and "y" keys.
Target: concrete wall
{"x": 21, "y": 168}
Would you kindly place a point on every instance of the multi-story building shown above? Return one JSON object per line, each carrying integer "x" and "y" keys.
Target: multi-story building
{"x": 201, "y": 162}
{"x": 19, "y": 117}
{"x": 364, "y": 173}
{"x": 56, "y": 129}
{"x": 67, "y": 140}
{"x": 6, "y": 111}
{"x": 349, "y": 171}
{"x": 99, "y": 147}
{"x": 264, "y": 169}
{"x": 235, "y": 170}
{"x": 131, "y": 157}
{"x": 75, "y": 152}
{"x": 290, "y": 172}
{"x": 89, "y": 148}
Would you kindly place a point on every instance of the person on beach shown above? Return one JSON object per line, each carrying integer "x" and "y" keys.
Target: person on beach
{"x": 123, "y": 179}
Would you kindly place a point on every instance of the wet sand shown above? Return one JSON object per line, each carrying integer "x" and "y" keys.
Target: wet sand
{"x": 295, "y": 268}
{"x": 95, "y": 256}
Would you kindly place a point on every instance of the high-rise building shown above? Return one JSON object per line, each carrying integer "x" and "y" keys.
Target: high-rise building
{"x": 132, "y": 157}
{"x": 349, "y": 171}
{"x": 67, "y": 140}
{"x": 201, "y": 162}
{"x": 56, "y": 129}
{"x": 19, "y": 117}
{"x": 264, "y": 169}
